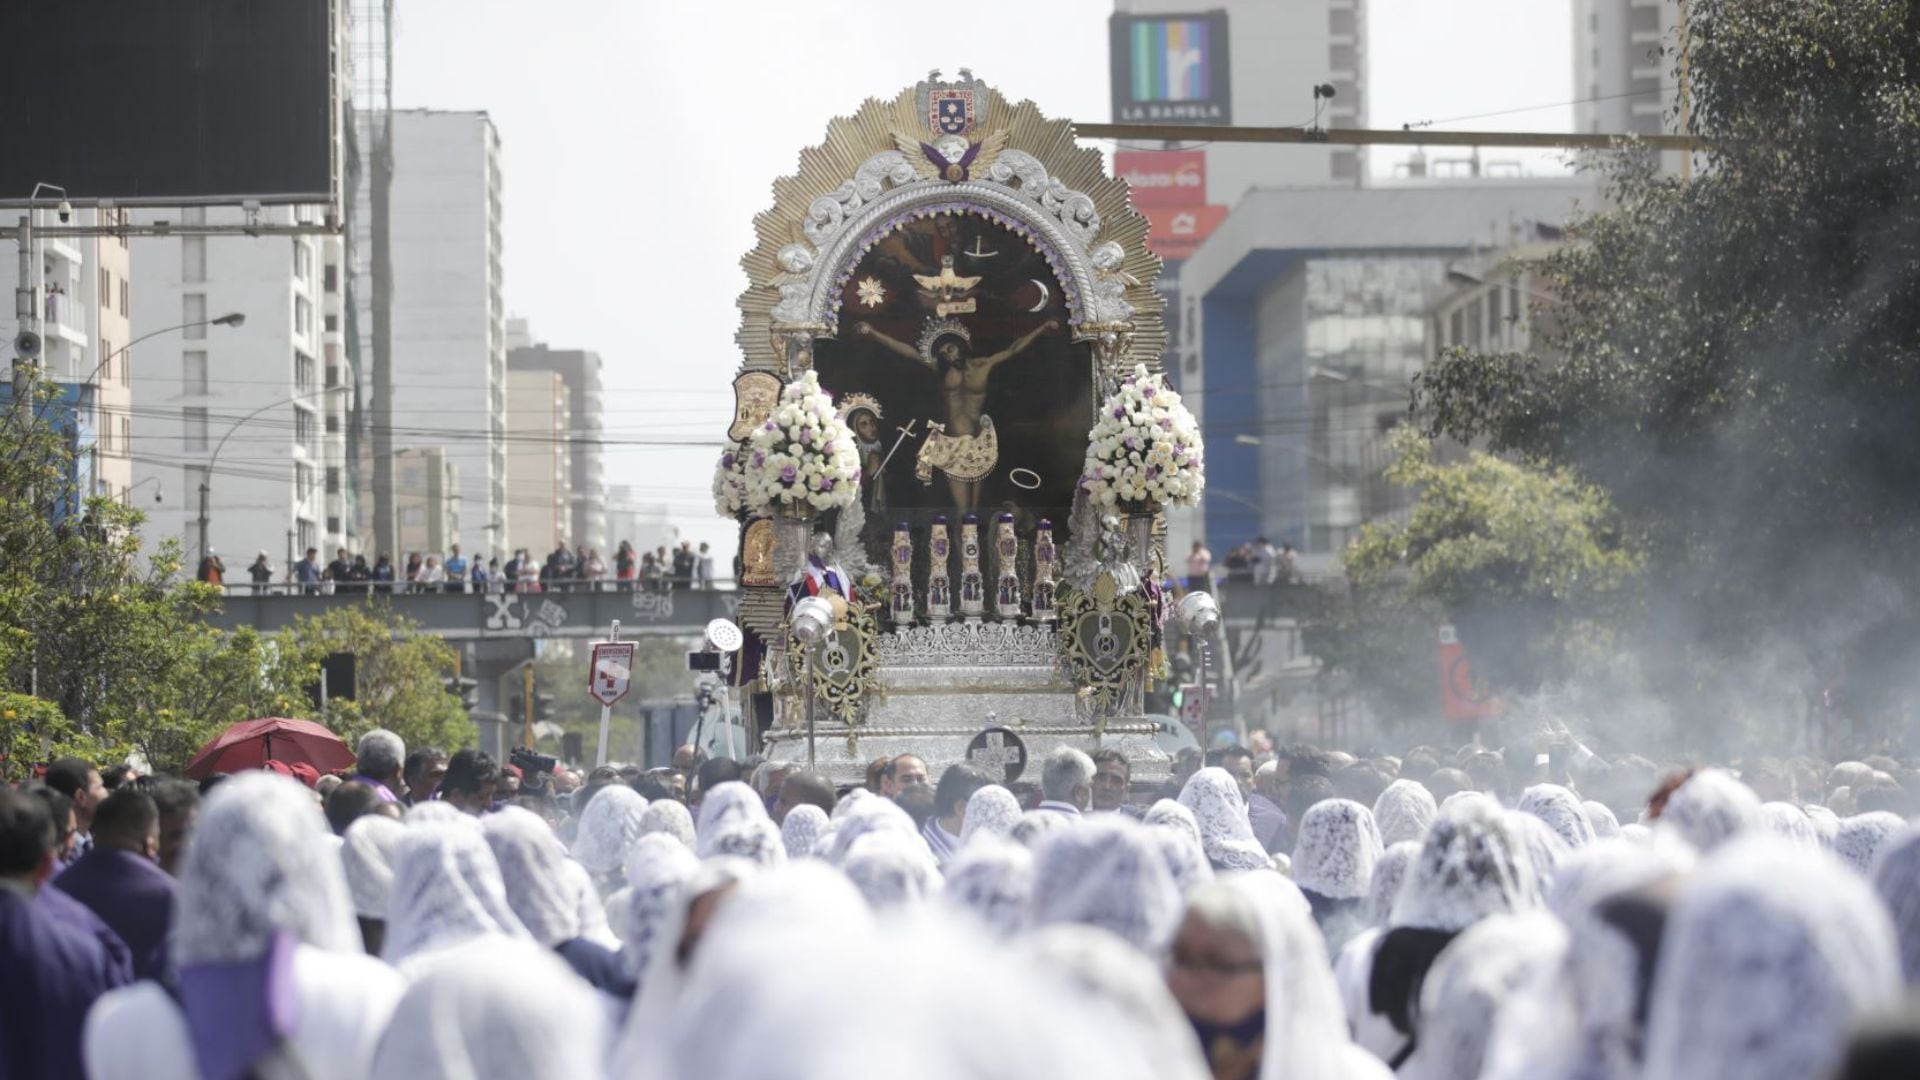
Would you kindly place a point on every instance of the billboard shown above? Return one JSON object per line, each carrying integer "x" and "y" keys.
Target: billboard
{"x": 1178, "y": 231}
{"x": 1163, "y": 177}
{"x": 145, "y": 102}
{"x": 1171, "y": 69}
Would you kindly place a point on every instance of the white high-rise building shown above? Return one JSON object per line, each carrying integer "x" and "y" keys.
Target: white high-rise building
{"x": 244, "y": 426}
{"x": 1623, "y": 81}
{"x": 449, "y": 359}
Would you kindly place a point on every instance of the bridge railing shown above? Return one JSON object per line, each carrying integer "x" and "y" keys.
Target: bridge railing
{"x": 557, "y": 613}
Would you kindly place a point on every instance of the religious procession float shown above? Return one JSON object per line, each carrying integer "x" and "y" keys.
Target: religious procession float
{"x": 952, "y": 446}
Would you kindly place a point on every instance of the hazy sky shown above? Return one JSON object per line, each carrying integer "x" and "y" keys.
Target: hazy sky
{"x": 639, "y": 138}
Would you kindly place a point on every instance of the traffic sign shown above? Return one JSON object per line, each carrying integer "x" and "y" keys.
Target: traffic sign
{"x": 611, "y": 673}
{"x": 998, "y": 749}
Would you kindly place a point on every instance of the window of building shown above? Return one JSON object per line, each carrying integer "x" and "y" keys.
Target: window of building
{"x": 193, "y": 259}
{"x": 302, "y": 316}
{"x": 333, "y": 424}
{"x": 302, "y": 481}
{"x": 333, "y": 480}
{"x": 309, "y": 536}
{"x": 1457, "y": 327}
{"x": 193, "y": 419}
{"x": 106, "y": 359}
{"x": 106, "y": 287}
{"x": 303, "y": 429}
{"x": 1343, "y": 58}
{"x": 193, "y": 215}
{"x": 123, "y": 297}
{"x": 194, "y": 477}
{"x": 413, "y": 515}
{"x": 332, "y": 323}
{"x": 126, "y": 435}
{"x": 193, "y": 312}
{"x": 333, "y": 525}
{"x": 302, "y": 260}
{"x": 193, "y": 373}
{"x": 1496, "y": 309}
{"x": 1341, "y": 22}
{"x": 332, "y": 283}
{"x": 302, "y": 371}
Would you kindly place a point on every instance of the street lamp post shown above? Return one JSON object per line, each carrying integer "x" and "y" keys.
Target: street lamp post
{"x": 206, "y": 479}
{"x": 93, "y": 392}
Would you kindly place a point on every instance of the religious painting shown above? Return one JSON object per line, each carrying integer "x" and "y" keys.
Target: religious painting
{"x": 967, "y": 392}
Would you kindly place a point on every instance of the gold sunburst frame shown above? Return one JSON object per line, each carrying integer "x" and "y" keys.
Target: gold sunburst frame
{"x": 1026, "y": 171}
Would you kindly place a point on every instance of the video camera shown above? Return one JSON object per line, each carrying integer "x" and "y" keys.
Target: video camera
{"x": 536, "y": 770}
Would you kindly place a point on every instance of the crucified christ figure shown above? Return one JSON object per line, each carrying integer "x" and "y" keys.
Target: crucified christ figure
{"x": 964, "y": 446}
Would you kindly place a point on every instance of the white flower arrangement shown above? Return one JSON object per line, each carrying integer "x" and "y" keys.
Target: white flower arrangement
{"x": 1145, "y": 448}
{"x": 730, "y": 496}
{"x": 803, "y": 457}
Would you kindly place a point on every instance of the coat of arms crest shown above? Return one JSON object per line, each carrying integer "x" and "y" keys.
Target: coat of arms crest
{"x": 952, "y": 108}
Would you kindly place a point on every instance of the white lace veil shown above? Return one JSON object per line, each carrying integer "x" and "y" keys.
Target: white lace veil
{"x": 1545, "y": 849}
{"x": 532, "y": 862}
{"x": 1403, "y": 811}
{"x": 366, "y": 853}
{"x": 608, "y": 826}
{"x": 1826, "y": 824}
{"x": 1389, "y": 873}
{"x": 1213, "y": 795}
{"x": 870, "y": 816}
{"x": 1106, "y": 872}
{"x": 802, "y": 830}
{"x": 256, "y": 868}
{"x": 991, "y": 881}
{"x": 503, "y": 1010}
{"x": 720, "y": 808}
{"x": 1169, "y": 813}
{"x": 892, "y": 870}
{"x": 1896, "y": 877}
{"x": 1104, "y": 970}
{"x": 1711, "y": 808}
{"x": 1034, "y": 824}
{"x": 669, "y": 816}
{"x": 1769, "y": 956}
{"x": 1789, "y": 822}
{"x": 757, "y": 840}
{"x": 1861, "y": 835}
{"x": 1562, "y": 812}
{"x": 656, "y": 868}
{"x": 1605, "y": 825}
{"x": 1473, "y": 864}
{"x": 435, "y": 811}
{"x": 446, "y": 890}
{"x": 1180, "y": 843}
{"x": 1336, "y": 850}
{"x": 991, "y": 811}
{"x": 1470, "y": 980}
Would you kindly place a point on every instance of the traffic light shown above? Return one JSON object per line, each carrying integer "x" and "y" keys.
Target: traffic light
{"x": 467, "y": 690}
{"x": 542, "y": 708}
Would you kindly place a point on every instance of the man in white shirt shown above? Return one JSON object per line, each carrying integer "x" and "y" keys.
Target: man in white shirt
{"x": 1066, "y": 782}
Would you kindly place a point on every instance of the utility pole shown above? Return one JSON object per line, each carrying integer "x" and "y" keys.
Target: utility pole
{"x": 26, "y": 307}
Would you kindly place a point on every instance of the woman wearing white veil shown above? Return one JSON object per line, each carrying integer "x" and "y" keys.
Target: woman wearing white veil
{"x": 1214, "y": 797}
{"x": 1471, "y": 979}
{"x": 669, "y": 816}
{"x": 892, "y": 870}
{"x": 446, "y": 892}
{"x": 657, "y": 868}
{"x": 1333, "y": 859}
{"x": 870, "y": 816}
{"x": 1403, "y": 811}
{"x": 1104, "y": 970}
{"x": 755, "y": 839}
{"x": 1107, "y": 872}
{"x": 608, "y": 826}
{"x": 800, "y": 834}
{"x": 1605, "y": 825}
{"x": 1711, "y": 808}
{"x": 544, "y": 895}
{"x": 991, "y": 881}
{"x": 727, "y": 804}
{"x": 1790, "y": 823}
{"x": 684, "y": 918}
{"x": 1769, "y": 957}
{"x": 991, "y": 812}
{"x": 1562, "y": 812}
{"x": 1861, "y": 835}
{"x": 1249, "y": 968}
{"x": 272, "y": 979}
{"x": 366, "y": 854}
{"x": 503, "y": 1010}
{"x": 1896, "y": 877}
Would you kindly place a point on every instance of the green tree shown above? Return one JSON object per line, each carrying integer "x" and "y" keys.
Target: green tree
{"x": 1530, "y": 565}
{"x": 1737, "y": 361}
{"x": 399, "y": 676}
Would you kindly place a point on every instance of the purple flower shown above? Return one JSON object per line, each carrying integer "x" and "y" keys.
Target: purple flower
{"x": 827, "y": 447}
{"x": 759, "y": 458}
{"x": 1133, "y": 442}
{"x": 787, "y": 474}
{"x": 771, "y": 426}
{"x": 806, "y": 435}
{"x": 726, "y": 460}
{"x": 1153, "y": 471}
{"x": 826, "y": 483}
{"x": 1166, "y": 423}
{"x": 1119, "y": 412}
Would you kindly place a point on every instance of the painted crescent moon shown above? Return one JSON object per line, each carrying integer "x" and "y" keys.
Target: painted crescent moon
{"x": 1046, "y": 294}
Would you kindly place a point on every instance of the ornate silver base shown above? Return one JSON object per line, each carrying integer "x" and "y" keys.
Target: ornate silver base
{"x": 941, "y": 685}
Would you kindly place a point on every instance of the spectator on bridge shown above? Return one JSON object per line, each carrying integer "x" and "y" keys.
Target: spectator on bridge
{"x": 338, "y": 569}
{"x": 383, "y": 574}
{"x": 307, "y": 572}
{"x": 360, "y": 574}
{"x": 529, "y": 573}
{"x": 703, "y": 566}
{"x": 650, "y": 573}
{"x": 412, "y": 571}
{"x": 433, "y": 576}
{"x": 1287, "y": 568}
{"x": 483, "y": 573}
{"x": 1265, "y": 561}
{"x": 559, "y": 569}
{"x": 456, "y": 568}
{"x": 212, "y": 570}
{"x": 625, "y": 566}
{"x": 261, "y": 572}
{"x": 1200, "y": 566}
{"x": 593, "y": 569}
{"x": 684, "y": 561}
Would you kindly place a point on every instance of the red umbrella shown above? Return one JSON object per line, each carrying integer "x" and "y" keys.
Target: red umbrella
{"x": 250, "y": 744}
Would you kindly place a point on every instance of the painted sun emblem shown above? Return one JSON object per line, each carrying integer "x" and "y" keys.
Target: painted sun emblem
{"x": 872, "y": 293}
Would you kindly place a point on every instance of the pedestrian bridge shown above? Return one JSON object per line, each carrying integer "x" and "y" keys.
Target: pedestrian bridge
{"x": 466, "y": 616}
{"x": 589, "y": 614}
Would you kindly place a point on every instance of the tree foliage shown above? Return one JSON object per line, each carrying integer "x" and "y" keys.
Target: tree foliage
{"x": 399, "y": 676}
{"x": 1736, "y": 357}
{"x": 1528, "y": 564}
